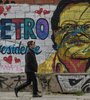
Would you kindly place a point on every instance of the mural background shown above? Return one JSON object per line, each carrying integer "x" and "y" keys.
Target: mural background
{"x": 12, "y": 60}
{"x": 16, "y": 19}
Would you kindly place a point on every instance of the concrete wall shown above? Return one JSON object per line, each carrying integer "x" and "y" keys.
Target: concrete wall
{"x": 24, "y": 20}
{"x": 13, "y": 41}
{"x": 56, "y": 83}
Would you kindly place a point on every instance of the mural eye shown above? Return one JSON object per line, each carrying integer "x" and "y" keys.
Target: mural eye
{"x": 87, "y": 28}
{"x": 69, "y": 26}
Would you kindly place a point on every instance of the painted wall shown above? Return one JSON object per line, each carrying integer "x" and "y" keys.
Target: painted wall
{"x": 20, "y": 23}
{"x": 72, "y": 83}
{"x": 62, "y": 83}
{"x": 66, "y": 50}
{"x": 71, "y": 36}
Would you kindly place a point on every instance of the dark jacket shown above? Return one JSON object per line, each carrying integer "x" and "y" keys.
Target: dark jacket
{"x": 30, "y": 62}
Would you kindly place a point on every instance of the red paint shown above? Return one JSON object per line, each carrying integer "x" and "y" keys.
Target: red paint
{"x": 17, "y": 60}
{"x": 39, "y": 11}
{"x": 73, "y": 66}
{"x": 5, "y": 14}
{"x": 3, "y": 1}
{"x": 4, "y": 11}
{"x": 46, "y": 12}
{"x": 8, "y": 59}
{"x": 18, "y": 30}
{"x": 1, "y": 9}
{"x": 8, "y": 8}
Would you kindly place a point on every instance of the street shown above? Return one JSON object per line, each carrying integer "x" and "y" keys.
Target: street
{"x": 28, "y": 96}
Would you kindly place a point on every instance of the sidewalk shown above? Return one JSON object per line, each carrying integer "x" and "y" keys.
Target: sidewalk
{"x": 28, "y": 96}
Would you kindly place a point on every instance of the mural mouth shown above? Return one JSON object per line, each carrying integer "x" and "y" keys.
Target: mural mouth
{"x": 78, "y": 57}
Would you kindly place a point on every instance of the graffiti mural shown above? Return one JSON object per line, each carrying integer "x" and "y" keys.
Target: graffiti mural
{"x": 61, "y": 35}
{"x": 19, "y": 25}
{"x": 27, "y": 25}
{"x": 72, "y": 39}
{"x": 10, "y": 82}
{"x": 71, "y": 36}
{"x": 74, "y": 83}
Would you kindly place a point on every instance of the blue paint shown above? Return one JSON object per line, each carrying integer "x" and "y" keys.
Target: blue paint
{"x": 13, "y": 49}
{"x": 29, "y": 25}
{"x": 32, "y": 30}
{"x": 78, "y": 30}
{"x": 42, "y": 28}
{"x": 5, "y": 28}
{"x": 37, "y": 50}
{"x": 17, "y": 49}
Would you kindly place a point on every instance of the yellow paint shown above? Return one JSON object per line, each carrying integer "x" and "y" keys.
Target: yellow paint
{"x": 70, "y": 15}
{"x": 73, "y": 12}
{"x": 46, "y": 67}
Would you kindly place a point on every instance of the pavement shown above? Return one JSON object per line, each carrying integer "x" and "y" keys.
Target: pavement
{"x": 28, "y": 96}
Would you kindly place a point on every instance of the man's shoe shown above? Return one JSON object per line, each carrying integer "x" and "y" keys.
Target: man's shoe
{"x": 36, "y": 95}
{"x": 16, "y": 92}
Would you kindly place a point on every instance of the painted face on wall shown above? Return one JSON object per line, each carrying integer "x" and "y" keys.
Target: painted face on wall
{"x": 73, "y": 37}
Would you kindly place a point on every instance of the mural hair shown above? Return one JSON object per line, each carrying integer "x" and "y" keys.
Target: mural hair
{"x": 60, "y": 7}
{"x": 56, "y": 15}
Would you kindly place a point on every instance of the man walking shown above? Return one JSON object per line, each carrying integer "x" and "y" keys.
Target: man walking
{"x": 31, "y": 67}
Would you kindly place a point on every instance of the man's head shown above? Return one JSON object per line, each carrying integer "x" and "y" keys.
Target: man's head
{"x": 71, "y": 28}
{"x": 31, "y": 44}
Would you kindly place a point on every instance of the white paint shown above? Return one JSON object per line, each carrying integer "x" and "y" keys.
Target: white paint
{"x": 25, "y": 11}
